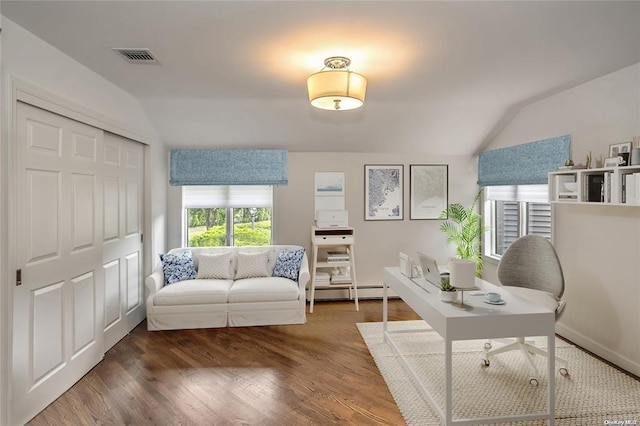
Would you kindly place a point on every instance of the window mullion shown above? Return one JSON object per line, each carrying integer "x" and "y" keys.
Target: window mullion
{"x": 229, "y": 224}
{"x": 523, "y": 218}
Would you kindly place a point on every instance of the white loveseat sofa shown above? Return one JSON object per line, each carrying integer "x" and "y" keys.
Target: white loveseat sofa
{"x": 248, "y": 295}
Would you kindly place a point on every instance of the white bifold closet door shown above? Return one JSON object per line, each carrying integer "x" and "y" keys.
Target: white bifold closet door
{"x": 78, "y": 253}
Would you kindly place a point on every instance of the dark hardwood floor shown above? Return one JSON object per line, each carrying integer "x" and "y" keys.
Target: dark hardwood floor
{"x": 320, "y": 373}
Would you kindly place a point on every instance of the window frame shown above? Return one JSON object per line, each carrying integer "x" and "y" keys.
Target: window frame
{"x": 490, "y": 217}
{"x": 229, "y": 206}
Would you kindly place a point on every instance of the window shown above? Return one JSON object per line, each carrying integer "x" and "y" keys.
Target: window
{"x": 514, "y": 211}
{"x": 227, "y": 215}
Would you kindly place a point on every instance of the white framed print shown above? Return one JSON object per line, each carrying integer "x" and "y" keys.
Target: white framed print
{"x": 383, "y": 192}
{"x": 428, "y": 190}
{"x": 329, "y": 184}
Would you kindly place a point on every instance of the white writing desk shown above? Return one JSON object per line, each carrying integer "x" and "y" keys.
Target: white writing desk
{"x": 516, "y": 318}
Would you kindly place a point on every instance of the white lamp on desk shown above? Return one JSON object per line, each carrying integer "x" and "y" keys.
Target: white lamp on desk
{"x": 462, "y": 275}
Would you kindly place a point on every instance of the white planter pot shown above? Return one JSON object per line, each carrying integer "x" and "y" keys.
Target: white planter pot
{"x": 448, "y": 296}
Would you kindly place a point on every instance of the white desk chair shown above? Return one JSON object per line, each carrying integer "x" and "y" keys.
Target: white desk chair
{"x": 530, "y": 268}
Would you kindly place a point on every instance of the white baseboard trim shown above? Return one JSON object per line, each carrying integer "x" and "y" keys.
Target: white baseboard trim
{"x": 602, "y": 351}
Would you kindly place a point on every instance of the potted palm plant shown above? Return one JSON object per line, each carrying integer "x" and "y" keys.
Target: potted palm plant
{"x": 464, "y": 228}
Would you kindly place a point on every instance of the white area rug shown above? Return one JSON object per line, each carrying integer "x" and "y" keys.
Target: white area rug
{"x": 593, "y": 394}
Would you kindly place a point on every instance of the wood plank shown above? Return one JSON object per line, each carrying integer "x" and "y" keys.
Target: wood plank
{"x": 317, "y": 373}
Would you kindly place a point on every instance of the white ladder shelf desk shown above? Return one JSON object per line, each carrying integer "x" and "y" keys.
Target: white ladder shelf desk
{"x": 326, "y": 239}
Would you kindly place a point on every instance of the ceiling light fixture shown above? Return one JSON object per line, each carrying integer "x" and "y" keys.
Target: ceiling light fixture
{"x": 336, "y": 88}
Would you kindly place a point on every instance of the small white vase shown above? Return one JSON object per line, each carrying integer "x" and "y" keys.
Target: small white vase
{"x": 448, "y": 296}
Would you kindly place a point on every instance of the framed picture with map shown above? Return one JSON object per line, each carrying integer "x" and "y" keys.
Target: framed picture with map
{"x": 383, "y": 192}
{"x": 428, "y": 190}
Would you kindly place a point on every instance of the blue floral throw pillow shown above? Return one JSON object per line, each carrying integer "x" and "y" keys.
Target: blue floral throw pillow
{"x": 288, "y": 264}
{"x": 178, "y": 267}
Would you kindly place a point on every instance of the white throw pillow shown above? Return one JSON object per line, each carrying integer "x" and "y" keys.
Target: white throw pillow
{"x": 214, "y": 266}
{"x": 253, "y": 265}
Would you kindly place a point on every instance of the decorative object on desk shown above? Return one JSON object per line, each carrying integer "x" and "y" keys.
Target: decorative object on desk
{"x": 448, "y": 293}
{"x": 428, "y": 193}
{"x": 588, "y": 161}
{"x": 493, "y": 299}
{"x": 383, "y": 192}
{"x": 464, "y": 229}
{"x": 568, "y": 163}
{"x": 617, "y": 148}
{"x": 463, "y": 277}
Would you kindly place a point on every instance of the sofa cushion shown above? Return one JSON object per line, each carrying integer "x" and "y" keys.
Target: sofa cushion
{"x": 177, "y": 267}
{"x": 193, "y": 292}
{"x": 288, "y": 264}
{"x": 268, "y": 289}
{"x": 252, "y": 265}
{"x": 214, "y": 266}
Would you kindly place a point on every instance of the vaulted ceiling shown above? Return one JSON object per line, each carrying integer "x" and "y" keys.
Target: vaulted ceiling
{"x": 444, "y": 76}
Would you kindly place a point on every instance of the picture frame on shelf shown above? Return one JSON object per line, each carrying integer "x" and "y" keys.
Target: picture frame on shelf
{"x": 384, "y": 192}
{"x": 428, "y": 191}
{"x": 616, "y": 148}
{"x": 610, "y": 162}
{"x": 623, "y": 158}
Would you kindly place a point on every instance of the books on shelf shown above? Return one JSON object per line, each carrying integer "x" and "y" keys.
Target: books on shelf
{"x": 337, "y": 256}
{"x": 322, "y": 279}
{"x": 631, "y": 188}
{"x": 340, "y": 279}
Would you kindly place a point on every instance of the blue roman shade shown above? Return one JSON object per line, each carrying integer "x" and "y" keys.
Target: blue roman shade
{"x": 228, "y": 167}
{"x": 526, "y": 164}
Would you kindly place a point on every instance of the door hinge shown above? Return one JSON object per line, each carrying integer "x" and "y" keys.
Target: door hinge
{"x": 141, "y": 238}
{"x": 19, "y": 277}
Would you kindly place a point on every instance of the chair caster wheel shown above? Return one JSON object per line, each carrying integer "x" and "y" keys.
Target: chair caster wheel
{"x": 486, "y": 363}
{"x": 487, "y": 346}
{"x": 533, "y": 381}
{"x": 564, "y": 372}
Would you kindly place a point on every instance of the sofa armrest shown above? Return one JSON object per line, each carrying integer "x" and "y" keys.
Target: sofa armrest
{"x": 303, "y": 275}
{"x": 154, "y": 282}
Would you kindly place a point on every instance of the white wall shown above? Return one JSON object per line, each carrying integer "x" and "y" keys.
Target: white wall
{"x": 599, "y": 246}
{"x": 31, "y": 60}
{"x": 377, "y": 242}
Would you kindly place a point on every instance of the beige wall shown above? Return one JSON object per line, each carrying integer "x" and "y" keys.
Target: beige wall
{"x": 377, "y": 242}
{"x": 599, "y": 246}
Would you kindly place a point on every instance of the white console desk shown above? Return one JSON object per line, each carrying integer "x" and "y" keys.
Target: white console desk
{"x": 517, "y": 317}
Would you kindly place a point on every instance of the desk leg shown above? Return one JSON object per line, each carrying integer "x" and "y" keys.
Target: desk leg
{"x": 551, "y": 403}
{"x": 448, "y": 385}
{"x": 385, "y": 310}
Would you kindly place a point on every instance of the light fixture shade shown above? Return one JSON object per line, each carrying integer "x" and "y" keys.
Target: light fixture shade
{"x": 336, "y": 89}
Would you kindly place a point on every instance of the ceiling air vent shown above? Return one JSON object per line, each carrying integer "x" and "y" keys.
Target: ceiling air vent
{"x": 137, "y": 56}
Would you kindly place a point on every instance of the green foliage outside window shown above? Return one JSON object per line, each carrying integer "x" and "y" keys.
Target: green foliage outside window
{"x": 208, "y": 226}
{"x": 244, "y": 235}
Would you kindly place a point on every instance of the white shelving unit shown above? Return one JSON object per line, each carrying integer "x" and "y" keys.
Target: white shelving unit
{"x": 605, "y": 185}
{"x": 323, "y": 241}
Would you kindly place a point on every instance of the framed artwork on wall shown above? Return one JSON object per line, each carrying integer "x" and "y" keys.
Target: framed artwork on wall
{"x": 329, "y": 191}
{"x": 383, "y": 192}
{"x": 329, "y": 184}
{"x": 428, "y": 190}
